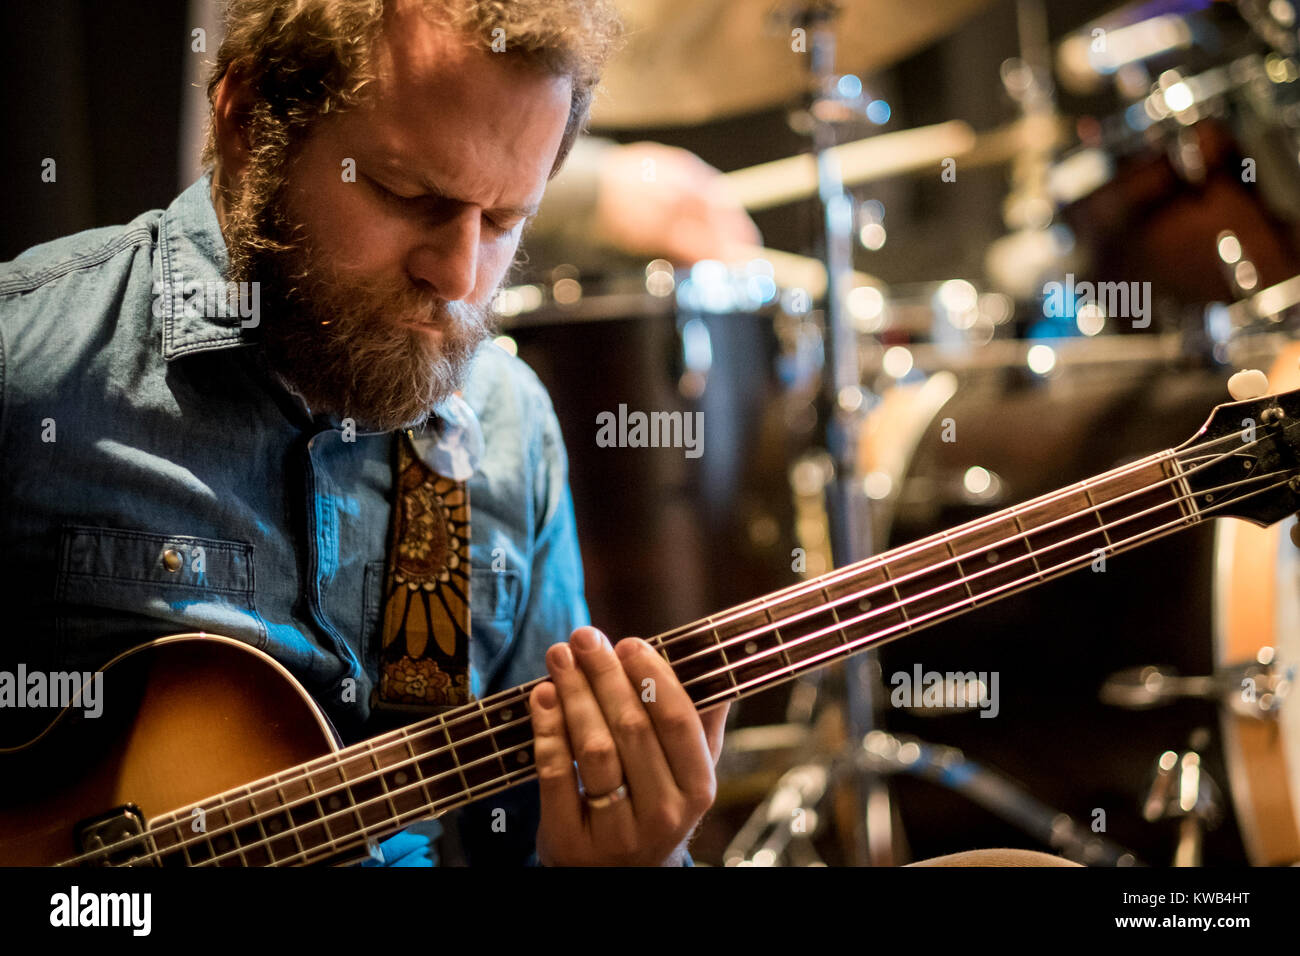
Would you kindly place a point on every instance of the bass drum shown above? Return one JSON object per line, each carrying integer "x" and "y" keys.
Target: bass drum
{"x": 1257, "y": 626}
{"x": 989, "y": 439}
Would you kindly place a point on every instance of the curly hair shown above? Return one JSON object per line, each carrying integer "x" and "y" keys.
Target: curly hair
{"x": 307, "y": 58}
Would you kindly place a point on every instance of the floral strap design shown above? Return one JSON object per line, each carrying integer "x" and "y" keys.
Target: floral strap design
{"x": 424, "y": 660}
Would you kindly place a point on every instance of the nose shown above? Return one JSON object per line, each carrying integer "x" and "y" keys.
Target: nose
{"x": 446, "y": 257}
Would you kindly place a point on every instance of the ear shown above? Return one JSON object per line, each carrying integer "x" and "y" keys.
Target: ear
{"x": 232, "y": 106}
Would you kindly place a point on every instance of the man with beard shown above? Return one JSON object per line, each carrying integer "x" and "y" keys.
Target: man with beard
{"x": 170, "y": 464}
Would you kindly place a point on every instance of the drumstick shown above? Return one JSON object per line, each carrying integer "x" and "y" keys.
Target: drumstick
{"x": 792, "y": 271}
{"x": 889, "y": 154}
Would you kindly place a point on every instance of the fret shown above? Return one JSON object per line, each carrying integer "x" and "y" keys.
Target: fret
{"x": 1150, "y": 502}
{"x": 326, "y": 810}
{"x": 365, "y": 790}
{"x": 898, "y": 598}
{"x": 993, "y": 556}
{"x": 438, "y": 765}
{"x": 399, "y": 777}
{"x": 1060, "y": 531}
{"x": 816, "y": 634}
{"x": 694, "y": 655}
{"x": 720, "y": 643}
{"x": 742, "y": 657}
{"x": 260, "y": 842}
{"x": 451, "y": 749}
{"x": 1092, "y": 505}
{"x": 168, "y": 838}
{"x": 471, "y": 746}
{"x": 282, "y": 822}
{"x": 957, "y": 564}
{"x": 861, "y": 613}
{"x": 513, "y": 732}
{"x": 492, "y": 739}
{"x": 830, "y": 605}
{"x": 927, "y": 581}
{"x": 212, "y": 843}
{"x": 379, "y": 775}
{"x": 225, "y": 839}
{"x": 240, "y": 837}
{"x": 1015, "y": 516}
{"x": 197, "y": 847}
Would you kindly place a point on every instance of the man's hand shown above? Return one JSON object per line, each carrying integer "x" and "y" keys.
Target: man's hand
{"x": 627, "y": 721}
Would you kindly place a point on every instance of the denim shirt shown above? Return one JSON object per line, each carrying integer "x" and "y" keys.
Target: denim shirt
{"x": 130, "y": 426}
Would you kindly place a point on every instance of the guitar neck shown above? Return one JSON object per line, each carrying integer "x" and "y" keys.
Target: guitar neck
{"x": 374, "y": 788}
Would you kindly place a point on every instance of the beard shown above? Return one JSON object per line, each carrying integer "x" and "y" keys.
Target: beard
{"x": 345, "y": 343}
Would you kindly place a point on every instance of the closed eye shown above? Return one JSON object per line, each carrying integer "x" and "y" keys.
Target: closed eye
{"x": 499, "y": 225}
{"x": 387, "y": 194}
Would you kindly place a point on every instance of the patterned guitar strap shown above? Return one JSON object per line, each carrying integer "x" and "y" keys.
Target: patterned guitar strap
{"x": 424, "y": 659}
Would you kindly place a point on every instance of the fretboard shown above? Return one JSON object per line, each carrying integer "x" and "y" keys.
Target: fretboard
{"x": 326, "y": 808}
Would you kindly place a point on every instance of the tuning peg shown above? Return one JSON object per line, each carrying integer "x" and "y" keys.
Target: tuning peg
{"x": 1249, "y": 383}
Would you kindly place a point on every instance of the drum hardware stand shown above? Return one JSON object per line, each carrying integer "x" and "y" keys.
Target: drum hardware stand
{"x": 1256, "y": 690}
{"x": 1183, "y": 791}
{"x": 845, "y": 404}
{"x": 949, "y": 767}
{"x": 783, "y": 825}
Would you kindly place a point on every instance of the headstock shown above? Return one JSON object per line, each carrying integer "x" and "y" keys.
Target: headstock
{"x": 1245, "y": 460}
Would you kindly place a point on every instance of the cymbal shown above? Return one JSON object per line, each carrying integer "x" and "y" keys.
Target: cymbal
{"x": 691, "y": 61}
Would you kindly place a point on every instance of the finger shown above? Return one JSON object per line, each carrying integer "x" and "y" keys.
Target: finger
{"x": 590, "y": 738}
{"x": 554, "y": 761}
{"x": 715, "y": 722}
{"x": 676, "y": 721}
{"x": 649, "y": 777}
{"x": 613, "y": 826}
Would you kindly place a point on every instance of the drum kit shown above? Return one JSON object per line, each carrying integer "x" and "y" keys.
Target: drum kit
{"x": 844, "y": 415}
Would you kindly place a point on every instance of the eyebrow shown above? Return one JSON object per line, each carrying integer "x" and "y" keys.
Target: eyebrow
{"x": 435, "y": 189}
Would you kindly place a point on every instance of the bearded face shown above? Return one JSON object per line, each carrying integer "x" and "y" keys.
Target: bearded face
{"x": 383, "y": 352}
{"x": 374, "y": 286}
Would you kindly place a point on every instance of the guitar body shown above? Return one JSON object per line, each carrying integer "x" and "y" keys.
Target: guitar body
{"x": 183, "y": 718}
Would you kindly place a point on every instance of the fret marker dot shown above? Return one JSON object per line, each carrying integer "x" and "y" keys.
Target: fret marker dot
{"x": 865, "y": 604}
{"x": 505, "y": 714}
{"x": 274, "y": 826}
{"x": 993, "y": 557}
{"x": 750, "y": 647}
{"x": 335, "y": 803}
{"x": 522, "y": 756}
{"x": 400, "y": 777}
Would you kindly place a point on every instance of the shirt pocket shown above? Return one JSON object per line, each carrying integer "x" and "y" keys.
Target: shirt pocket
{"x": 120, "y": 587}
{"x": 493, "y": 604}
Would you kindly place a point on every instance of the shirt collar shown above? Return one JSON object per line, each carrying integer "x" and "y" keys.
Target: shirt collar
{"x": 191, "y": 280}
{"x": 197, "y": 309}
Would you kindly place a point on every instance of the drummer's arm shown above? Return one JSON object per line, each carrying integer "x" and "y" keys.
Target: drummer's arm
{"x": 642, "y": 199}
